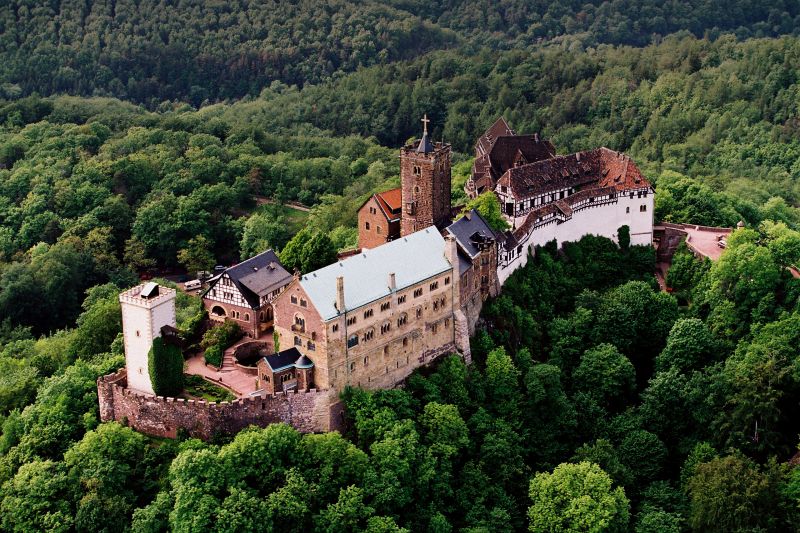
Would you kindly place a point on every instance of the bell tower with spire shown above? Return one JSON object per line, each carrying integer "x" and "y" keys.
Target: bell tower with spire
{"x": 425, "y": 183}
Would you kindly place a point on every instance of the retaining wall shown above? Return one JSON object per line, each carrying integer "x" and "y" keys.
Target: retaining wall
{"x": 313, "y": 411}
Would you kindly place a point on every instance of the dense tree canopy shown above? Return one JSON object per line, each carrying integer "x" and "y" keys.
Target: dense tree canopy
{"x": 594, "y": 401}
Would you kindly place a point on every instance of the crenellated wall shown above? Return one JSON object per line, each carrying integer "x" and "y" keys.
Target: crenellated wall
{"x": 313, "y": 411}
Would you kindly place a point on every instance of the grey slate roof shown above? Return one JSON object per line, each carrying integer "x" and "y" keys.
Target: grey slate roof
{"x": 257, "y": 277}
{"x": 464, "y": 263}
{"x": 287, "y": 359}
{"x": 470, "y": 230}
{"x": 425, "y": 145}
{"x": 412, "y": 258}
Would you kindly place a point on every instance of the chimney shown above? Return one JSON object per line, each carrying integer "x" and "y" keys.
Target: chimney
{"x": 536, "y": 137}
{"x": 392, "y": 282}
{"x": 468, "y": 215}
{"x": 451, "y": 251}
{"x": 340, "y": 294}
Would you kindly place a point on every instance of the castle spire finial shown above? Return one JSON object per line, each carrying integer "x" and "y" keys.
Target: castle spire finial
{"x": 425, "y": 145}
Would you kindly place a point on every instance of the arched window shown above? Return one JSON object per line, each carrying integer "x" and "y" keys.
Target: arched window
{"x": 299, "y": 324}
{"x": 405, "y": 341}
{"x": 261, "y": 316}
{"x": 217, "y": 310}
{"x": 247, "y": 317}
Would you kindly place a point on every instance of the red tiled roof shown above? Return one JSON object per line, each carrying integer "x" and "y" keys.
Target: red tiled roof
{"x": 485, "y": 142}
{"x": 505, "y": 152}
{"x": 390, "y": 203}
{"x": 602, "y": 167}
{"x": 393, "y": 198}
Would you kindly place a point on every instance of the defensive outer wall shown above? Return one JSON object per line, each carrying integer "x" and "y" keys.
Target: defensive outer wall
{"x": 313, "y": 411}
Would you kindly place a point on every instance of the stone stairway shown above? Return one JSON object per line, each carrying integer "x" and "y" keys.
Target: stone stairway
{"x": 228, "y": 362}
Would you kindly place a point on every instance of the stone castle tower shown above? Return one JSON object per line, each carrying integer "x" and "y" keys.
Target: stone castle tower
{"x": 145, "y": 310}
{"x": 425, "y": 182}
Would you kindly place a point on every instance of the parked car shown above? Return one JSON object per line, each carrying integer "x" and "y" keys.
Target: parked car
{"x": 192, "y": 285}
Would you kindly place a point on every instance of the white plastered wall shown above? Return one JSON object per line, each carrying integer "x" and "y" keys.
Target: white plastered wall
{"x": 603, "y": 220}
{"x": 142, "y": 321}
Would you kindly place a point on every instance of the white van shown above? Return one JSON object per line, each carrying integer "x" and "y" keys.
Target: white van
{"x": 192, "y": 285}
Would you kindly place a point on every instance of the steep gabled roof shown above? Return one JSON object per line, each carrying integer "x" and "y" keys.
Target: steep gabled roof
{"x": 485, "y": 141}
{"x": 291, "y": 358}
{"x": 471, "y": 231}
{"x": 391, "y": 203}
{"x": 506, "y": 150}
{"x": 500, "y": 149}
{"x": 257, "y": 277}
{"x": 412, "y": 259}
{"x": 601, "y": 167}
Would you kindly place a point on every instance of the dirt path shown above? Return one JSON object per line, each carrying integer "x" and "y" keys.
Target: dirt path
{"x": 263, "y": 200}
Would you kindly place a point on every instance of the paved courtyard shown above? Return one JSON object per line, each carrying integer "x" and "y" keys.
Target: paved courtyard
{"x": 238, "y": 381}
{"x": 705, "y": 241}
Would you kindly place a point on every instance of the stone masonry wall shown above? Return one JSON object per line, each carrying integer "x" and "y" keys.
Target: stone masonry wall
{"x": 314, "y": 411}
{"x": 379, "y": 229}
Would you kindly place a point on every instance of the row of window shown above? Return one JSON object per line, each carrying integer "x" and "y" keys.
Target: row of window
{"x": 283, "y": 377}
{"x": 386, "y": 327}
{"x": 299, "y": 342}
{"x": 352, "y": 365}
{"x": 542, "y": 200}
{"x": 385, "y": 306}
{"x": 303, "y": 302}
{"x": 224, "y": 294}
{"x": 377, "y": 228}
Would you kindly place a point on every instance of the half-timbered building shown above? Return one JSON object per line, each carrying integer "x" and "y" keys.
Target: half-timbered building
{"x": 244, "y": 293}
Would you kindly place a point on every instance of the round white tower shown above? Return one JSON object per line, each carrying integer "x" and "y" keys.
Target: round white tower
{"x": 145, "y": 310}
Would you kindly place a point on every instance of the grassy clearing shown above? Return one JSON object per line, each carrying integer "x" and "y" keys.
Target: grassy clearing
{"x": 295, "y": 218}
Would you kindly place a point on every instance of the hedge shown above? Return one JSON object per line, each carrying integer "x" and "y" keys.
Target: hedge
{"x": 165, "y": 365}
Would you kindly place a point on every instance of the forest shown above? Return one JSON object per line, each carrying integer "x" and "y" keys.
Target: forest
{"x": 197, "y": 51}
{"x": 143, "y": 138}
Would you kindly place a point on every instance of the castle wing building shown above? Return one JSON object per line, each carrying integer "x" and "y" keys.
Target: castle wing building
{"x": 477, "y": 262}
{"x": 372, "y": 318}
{"x": 500, "y": 149}
{"x": 244, "y": 293}
{"x": 379, "y": 218}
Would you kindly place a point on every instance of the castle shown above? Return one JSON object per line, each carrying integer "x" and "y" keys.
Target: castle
{"x": 415, "y": 288}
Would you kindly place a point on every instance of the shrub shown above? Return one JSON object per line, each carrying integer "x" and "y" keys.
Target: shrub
{"x": 165, "y": 363}
{"x": 193, "y": 326}
{"x": 217, "y": 339}
{"x": 213, "y": 355}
